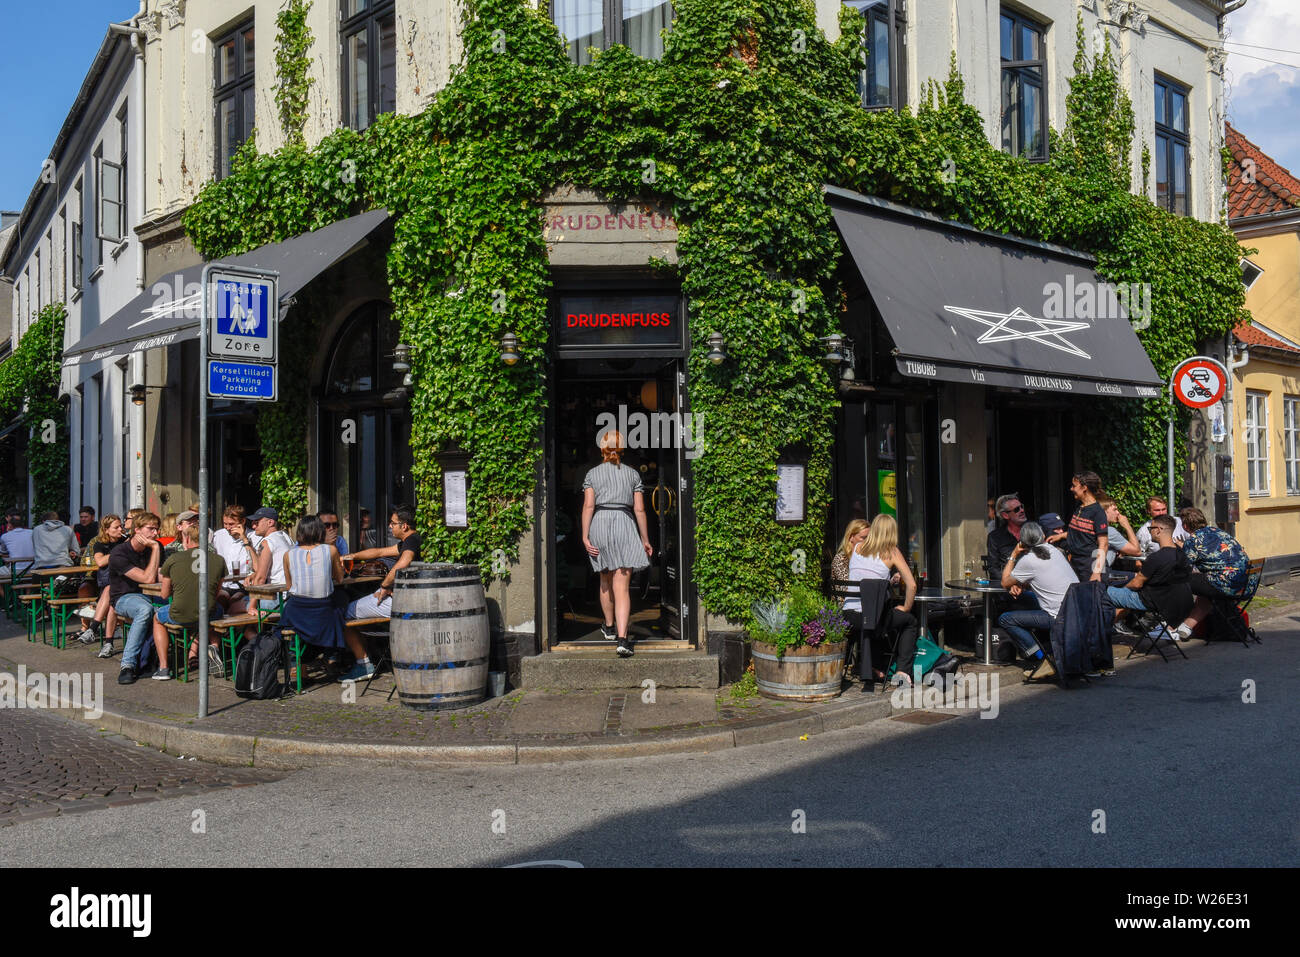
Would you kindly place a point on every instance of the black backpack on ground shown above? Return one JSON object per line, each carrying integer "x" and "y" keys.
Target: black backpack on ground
{"x": 257, "y": 669}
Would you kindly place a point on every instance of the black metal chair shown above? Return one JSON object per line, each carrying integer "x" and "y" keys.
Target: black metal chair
{"x": 1229, "y": 611}
{"x": 872, "y": 593}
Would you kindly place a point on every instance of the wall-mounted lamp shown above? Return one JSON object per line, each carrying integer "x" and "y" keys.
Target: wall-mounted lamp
{"x": 834, "y": 349}
{"x": 510, "y": 348}
{"x": 401, "y": 358}
{"x": 839, "y": 355}
{"x": 717, "y": 349}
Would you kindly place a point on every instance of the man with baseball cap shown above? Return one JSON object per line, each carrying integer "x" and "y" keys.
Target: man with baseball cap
{"x": 271, "y": 543}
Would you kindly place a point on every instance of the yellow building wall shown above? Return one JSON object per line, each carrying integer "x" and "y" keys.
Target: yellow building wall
{"x": 1270, "y": 524}
{"x": 1274, "y": 299}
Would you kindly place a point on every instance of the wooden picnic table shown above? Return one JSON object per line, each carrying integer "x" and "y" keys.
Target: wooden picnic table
{"x": 152, "y": 589}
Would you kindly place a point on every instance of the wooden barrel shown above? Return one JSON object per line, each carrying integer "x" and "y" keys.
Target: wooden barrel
{"x": 439, "y": 636}
{"x": 802, "y": 674}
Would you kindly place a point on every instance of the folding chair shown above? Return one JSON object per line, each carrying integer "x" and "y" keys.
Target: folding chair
{"x": 1153, "y": 613}
{"x": 1230, "y": 610}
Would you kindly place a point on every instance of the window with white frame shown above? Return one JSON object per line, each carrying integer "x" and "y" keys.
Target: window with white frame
{"x": 63, "y": 253}
{"x": 1257, "y": 443}
{"x": 76, "y": 237}
{"x": 1291, "y": 442}
{"x": 40, "y": 304}
{"x": 111, "y": 220}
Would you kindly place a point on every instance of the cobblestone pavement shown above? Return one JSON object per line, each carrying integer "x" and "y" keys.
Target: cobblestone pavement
{"x": 51, "y": 766}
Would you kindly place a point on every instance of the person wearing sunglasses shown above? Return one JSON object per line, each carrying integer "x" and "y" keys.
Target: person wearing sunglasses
{"x": 1002, "y": 541}
{"x": 332, "y": 537}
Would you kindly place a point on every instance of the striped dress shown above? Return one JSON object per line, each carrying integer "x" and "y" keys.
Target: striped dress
{"x": 613, "y": 527}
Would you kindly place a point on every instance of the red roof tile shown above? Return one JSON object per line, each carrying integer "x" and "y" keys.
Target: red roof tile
{"x": 1254, "y": 336}
{"x": 1273, "y": 189}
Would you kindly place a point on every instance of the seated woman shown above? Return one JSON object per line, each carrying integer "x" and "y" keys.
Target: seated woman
{"x": 854, "y": 533}
{"x": 877, "y": 557}
{"x": 1221, "y": 567}
{"x": 313, "y": 607}
{"x": 1035, "y": 564}
{"x": 110, "y": 535}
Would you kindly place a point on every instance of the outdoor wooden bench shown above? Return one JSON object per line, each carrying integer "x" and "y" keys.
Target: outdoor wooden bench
{"x": 61, "y": 622}
{"x": 34, "y": 602}
{"x": 296, "y": 645}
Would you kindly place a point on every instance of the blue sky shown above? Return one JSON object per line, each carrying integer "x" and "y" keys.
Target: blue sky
{"x": 46, "y": 48}
{"x": 40, "y": 76}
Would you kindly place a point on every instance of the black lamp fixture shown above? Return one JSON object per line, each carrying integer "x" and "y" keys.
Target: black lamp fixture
{"x": 510, "y": 348}
{"x": 717, "y": 349}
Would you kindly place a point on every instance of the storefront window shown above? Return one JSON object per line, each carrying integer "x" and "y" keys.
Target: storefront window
{"x": 914, "y": 472}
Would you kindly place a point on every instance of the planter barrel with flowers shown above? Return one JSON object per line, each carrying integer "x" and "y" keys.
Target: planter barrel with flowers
{"x": 798, "y": 647}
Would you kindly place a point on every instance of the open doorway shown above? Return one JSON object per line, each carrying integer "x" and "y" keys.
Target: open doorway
{"x": 643, "y": 396}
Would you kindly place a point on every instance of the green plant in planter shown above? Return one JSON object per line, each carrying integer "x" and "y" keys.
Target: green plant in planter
{"x": 803, "y": 617}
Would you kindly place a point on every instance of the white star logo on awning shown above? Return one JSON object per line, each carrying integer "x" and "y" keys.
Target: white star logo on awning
{"x": 1045, "y": 331}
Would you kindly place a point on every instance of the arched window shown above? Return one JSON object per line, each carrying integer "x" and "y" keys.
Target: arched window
{"x": 362, "y": 358}
{"x": 364, "y": 461}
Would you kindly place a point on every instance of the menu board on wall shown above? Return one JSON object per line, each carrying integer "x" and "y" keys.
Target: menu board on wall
{"x": 790, "y": 487}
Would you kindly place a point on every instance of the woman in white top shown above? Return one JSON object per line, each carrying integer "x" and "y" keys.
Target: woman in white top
{"x": 878, "y": 557}
{"x": 312, "y": 608}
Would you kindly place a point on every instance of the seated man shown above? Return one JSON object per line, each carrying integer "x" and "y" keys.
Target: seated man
{"x": 1164, "y": 576}
{"x": 1033, "y": 563}
{"x": 1221, "y": 567}
{"x": 380, "y": 603}
{"x": 1120, "y": 534}
{"x": 53, "y": 543}
{"x": 1156, "y": 506}
{"x": 179, "y": 576}
{"x": 232, "y": 544}
{"x": 16, "y": 542}
{"x": 1053, "y": 527}
{"x": 1006, "y": 535}
{"x": 131, "y": 564}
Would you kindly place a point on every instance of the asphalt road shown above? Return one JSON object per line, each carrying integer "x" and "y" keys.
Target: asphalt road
{"x": 1163, "y": 765}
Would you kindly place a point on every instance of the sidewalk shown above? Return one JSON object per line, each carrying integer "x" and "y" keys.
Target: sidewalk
{"x": 322, "y": 726}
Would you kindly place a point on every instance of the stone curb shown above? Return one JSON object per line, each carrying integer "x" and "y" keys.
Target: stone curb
{"x": 280, "y": 753}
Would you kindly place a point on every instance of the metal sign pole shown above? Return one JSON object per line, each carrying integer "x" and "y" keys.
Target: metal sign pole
{"x": 203, "y": 495}
{"x": 204, "y": 354}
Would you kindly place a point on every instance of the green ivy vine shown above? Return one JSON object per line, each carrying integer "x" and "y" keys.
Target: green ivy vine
{"x": 29, "y": 383}
{"x": 292, "y": 42}
{"x": 750, "y": 111}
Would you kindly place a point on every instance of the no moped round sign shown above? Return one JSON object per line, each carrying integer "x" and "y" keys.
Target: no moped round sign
{"x": 1199, "y": 382}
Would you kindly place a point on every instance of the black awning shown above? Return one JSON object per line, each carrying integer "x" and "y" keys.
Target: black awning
{"x": 964, "y": 305}
{"x": 168, "y": 312}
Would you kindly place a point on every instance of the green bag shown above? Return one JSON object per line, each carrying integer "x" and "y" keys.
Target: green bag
{"x": 928, "y": 657}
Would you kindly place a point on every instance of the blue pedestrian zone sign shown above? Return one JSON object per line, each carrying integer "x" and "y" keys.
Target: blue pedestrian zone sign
{"x": 251, "y": 381}
{"x": 243, "y": 318}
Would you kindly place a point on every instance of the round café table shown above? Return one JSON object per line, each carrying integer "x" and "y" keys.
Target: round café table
{"x": 988, "y": 589}
{"x": 922, "y": 599}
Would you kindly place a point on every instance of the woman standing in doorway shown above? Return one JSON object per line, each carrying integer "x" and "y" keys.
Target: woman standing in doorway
{"x": 612, "y": 498}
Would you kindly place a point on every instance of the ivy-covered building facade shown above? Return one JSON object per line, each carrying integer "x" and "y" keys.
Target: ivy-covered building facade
{"x": 813, "y": 260}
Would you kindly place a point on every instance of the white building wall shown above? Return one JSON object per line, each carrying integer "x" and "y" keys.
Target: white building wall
{"x": 108, "y": 274}
{"x": 1177, "y": 38}
{"x": 180, "y": 78}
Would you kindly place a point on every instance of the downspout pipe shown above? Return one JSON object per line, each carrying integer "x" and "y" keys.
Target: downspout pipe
{"x": 136, "y": 108}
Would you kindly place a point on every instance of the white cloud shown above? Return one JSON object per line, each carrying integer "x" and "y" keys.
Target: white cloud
{"x": 1263, "y": 96}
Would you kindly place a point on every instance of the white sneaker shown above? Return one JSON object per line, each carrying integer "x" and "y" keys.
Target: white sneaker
{"x": 106, "y": 651}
